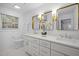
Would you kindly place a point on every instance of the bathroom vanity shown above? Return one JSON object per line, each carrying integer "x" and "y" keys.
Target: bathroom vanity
{"x": 67, "y": 19}
{"x": 37, "y": 45}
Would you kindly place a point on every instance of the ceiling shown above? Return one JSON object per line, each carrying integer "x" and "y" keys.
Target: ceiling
{"x": 25, "y": 7}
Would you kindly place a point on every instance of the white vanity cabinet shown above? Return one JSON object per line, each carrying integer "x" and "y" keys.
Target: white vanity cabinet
{"x": 41, "y": 47}
{"x": 34, "y": 46}
{"x": 35, "y": 50}
{"x": 64, "y": 50}
{"x": 31, "y": 45}
{"x": 55, "y": 52}
{"x": 44, "y": 51}
{"x": 27, "y": 45}
{"x": 44, "y": 48}
{"x": 45, "y": 43}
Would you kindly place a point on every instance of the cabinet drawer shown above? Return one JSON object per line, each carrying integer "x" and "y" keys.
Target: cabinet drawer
{"x": 26, "y": 45}
{"x": 55, "y": 53}
{"x": 45, "y": 43}
{"x": 44, "y": 51}
{"x": 29, "y": 48}
{"x": 35, "y": 41}
{"x": 35, "y": 52}
{"x": 65, "y": 49}
{"x": 35, "y": 47}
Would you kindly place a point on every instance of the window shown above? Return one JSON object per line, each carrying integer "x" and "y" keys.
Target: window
{"x": 7, "y": 21}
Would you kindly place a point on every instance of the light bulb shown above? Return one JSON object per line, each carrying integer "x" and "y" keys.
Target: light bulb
{"x": 16, "y": 6}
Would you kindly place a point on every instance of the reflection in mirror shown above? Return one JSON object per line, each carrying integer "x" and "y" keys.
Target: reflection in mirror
{"x": 35, "y": 24}
{"x": 47, "y": 17}
{"x": 68, "y": 18}
{"x": 66, "y": 24}
{"x": 44, "y": 22}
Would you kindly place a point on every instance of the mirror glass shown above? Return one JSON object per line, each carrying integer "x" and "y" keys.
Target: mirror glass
{"x": 68, "y": 18}
{"x": 47, "y": 18}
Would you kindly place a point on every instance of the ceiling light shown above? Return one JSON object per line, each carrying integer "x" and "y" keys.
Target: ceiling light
{"x": 16, "y": 6}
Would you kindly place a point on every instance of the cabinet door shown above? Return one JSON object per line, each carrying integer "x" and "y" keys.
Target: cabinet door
{"x": 67, "y": 50}
{"x": 35, "y": 41}
{"x": 29, "y": 48}
{"x": 35, "y": 50}
{"x": 55, "y": 53}
{"x": 44, "y": 51}
{"x": 32, "y": 46}
{"x": 26, "y": 45}
{"x": 45, "y": 43}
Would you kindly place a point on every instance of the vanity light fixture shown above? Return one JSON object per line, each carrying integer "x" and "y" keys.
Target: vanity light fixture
{"x": 16, "y": 6}
{"x": 40, "y": 16}
{"x": 54, "y": 14}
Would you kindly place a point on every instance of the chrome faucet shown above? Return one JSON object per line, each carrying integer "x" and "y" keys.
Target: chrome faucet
{"x": 65, "y": 36}
{"x": 68, "y": 36}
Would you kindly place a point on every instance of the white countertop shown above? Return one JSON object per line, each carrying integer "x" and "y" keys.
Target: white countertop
{"x": 69, "y": 42}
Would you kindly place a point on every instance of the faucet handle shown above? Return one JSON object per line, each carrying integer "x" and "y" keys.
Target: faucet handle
{"x": 68, "y": 36}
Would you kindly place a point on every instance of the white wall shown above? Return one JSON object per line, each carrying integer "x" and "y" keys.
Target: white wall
{"x": 7, "y": 35}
